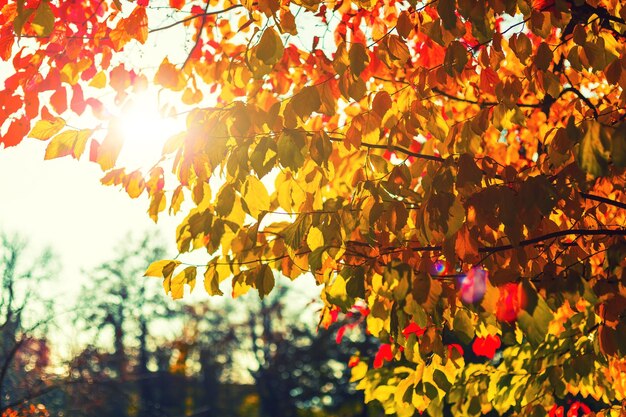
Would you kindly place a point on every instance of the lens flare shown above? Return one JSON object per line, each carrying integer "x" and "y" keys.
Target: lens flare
{"x": 473, "y": 285}
{"x": 440, "y": 267}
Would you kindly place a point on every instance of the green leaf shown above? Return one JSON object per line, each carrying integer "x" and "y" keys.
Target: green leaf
{"x": 43, "y": 23}
{"x": 263, "y": 157}
{"x": 463, "y": 326}
{"x": 535, "y": 318}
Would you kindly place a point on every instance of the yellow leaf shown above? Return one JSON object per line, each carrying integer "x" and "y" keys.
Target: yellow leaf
{"x": 255, "y": 195}
{"x": 177, "y": 200}
{"x": 70, "y": 142}
{"x": 161, "y": 269}
{"x": 186, "y": 276}
{"x": 45, "y": 129}
{"x": 212, "y": 281}
{"x": 315, "y": 238}
{"x": 135, "y": 184}
{"x": 99, "y": 80}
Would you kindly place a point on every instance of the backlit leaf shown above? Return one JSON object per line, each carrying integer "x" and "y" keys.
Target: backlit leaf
{"x": 45, "y": 129}
{"x": 70, "y": 142}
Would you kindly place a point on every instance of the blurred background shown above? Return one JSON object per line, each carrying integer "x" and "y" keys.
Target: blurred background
{"x": 113, "y": 344}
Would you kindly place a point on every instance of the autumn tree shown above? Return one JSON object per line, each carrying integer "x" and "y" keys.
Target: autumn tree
{"x": 455, "y": 165}
{"x": 116, "y": 305}
{"x": 24, "y": 348}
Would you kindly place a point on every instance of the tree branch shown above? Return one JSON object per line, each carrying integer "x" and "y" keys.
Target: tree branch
{"x": 195, "y": 16}
{"x": 482, "y": 104}
{"x": 582, "y": 97}
{"x": 527, "y": 242}
{"x": 395, "y": 148}
{"x": 604, "y": 200}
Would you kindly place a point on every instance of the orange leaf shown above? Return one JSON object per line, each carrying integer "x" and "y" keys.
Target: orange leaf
{"x": 177, "y": 4}
{"x": 169, "y": 76}
{"x": 137, "y": 24}
{"x": 16, "y": 132}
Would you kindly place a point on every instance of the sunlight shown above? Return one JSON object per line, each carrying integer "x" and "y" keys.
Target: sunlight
{"x": 145, "y": 126}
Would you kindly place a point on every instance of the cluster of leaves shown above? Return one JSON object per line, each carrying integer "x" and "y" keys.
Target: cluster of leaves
{"x": 487, "y": 137}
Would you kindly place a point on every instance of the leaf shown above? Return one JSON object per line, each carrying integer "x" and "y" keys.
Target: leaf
{"x": 290, "y": 149}
{"x": 256, "y": 197}
{"x": 618, "y": 145}
{"x": 398, "y": 49}
{"x": 543, "y": 57}
{"x": 306, "y": 102}
{"x": 186, "y": 276}
{"x": 110, "y": 148}
{"x": 270, "y": 48}
{"x": 486, "y": 346}
{"x": 456, "y": 58}
{"x": 137, "y": 24}
{"x": 71, "y": 142}
{"x": 161, "y": 269}
{"x": 447, "y": 12}
{"x": 591, "y": 153}
{"x": 45, "y": 129}
{"x": 212, "y": 281}
{"x": 295, "y": 233}
{"x": 535, "y": 317}
{"x": 314, "y": 238}
{"x": 43, "y": 23}
{"x": 265, "y": 280}
{"x": 359, "y": 58}
{"x": 463, "y": 326}
{"x": 169, "y": 76}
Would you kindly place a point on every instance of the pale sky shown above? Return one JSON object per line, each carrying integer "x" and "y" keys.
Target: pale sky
{"x": 61, "y": 203}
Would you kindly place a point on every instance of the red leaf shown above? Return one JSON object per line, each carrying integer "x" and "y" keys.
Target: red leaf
{"x": 458, "y": 347}
{"x": 354, "y": 361}
{"x": 340, "y": 333}
{"x": 6, "y": 42}
{"x": 556, "y": 411}
{"x": 143, "y": 3}
{"x": 413, "y": 328}
{"x": 16, "y": 132}
{"x": 486, "y": 346}
{"x": 93, "y": 150}
{"x": 78, "y": 100}
{"x": 384, "y": 355}
{"x": 510, "y": 302}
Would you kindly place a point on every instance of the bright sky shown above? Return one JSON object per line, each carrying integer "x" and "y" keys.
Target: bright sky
{"x": 61, "y": 203}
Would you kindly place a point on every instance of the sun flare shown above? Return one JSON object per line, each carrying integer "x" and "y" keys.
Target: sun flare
{"x": 145, "y": 126}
